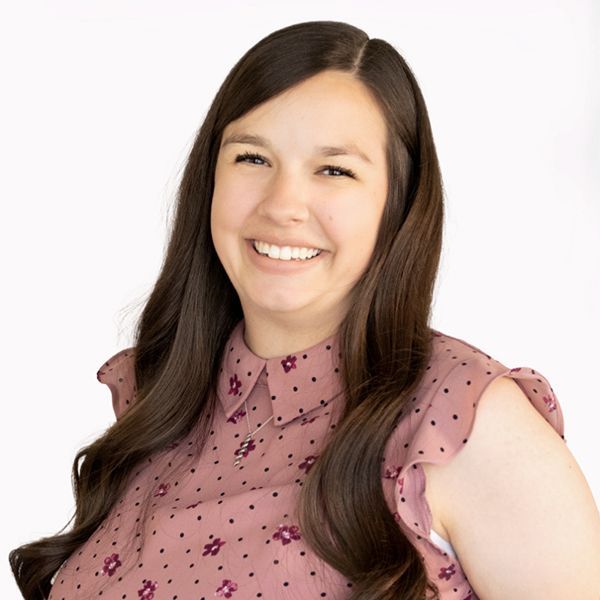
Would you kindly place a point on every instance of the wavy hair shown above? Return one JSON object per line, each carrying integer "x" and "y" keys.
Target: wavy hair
{"x": 385, "y": 337}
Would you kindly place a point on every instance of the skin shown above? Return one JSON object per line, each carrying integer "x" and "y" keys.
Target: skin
{"x": 292, "y": 194}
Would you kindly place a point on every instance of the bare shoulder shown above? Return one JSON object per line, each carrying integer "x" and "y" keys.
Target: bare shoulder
{"x": 515, "y": 505}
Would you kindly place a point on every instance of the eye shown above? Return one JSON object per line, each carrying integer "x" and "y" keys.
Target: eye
{"x": 253, "y": 157}
{"x": 347, "y": 172}
{"x": 246, "y": 155}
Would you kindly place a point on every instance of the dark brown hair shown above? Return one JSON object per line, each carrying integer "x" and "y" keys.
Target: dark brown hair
{"x": 385, "y": 338}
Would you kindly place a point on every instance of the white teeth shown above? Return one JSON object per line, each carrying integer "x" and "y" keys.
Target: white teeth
{"x": 275, "y": 252}
{"x": 285, "y": 252}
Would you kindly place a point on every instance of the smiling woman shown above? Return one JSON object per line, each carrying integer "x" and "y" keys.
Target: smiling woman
{"x": 289, "y": 198}
{"x": 288, "y": 422}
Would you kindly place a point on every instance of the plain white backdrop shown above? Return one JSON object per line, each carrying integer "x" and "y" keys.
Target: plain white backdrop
{"x": 100, "y": 104}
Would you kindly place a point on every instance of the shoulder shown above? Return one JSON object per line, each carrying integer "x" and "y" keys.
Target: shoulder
{"x": 122, "y": 359}
{"x": 514, "y": 500}
{"x": 443, "y": 407}
{"x": 437, "y": 421}
{"x": 465, "y": 375}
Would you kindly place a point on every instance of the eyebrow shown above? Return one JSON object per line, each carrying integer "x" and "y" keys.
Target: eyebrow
{"x": 257, "y": 140}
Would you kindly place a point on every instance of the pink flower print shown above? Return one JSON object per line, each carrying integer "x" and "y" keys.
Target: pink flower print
{"x": 286, "y": 534}
{"x": 289, "y": 363}
{"x": 172, "y": 446}
{"x": 550, "y": 403}
{"x": 309, "y": 421}
{"x": 308, "y": 463}
{"x": 400, "y": 484}
{"x": 234, "y": 385}
{"x": 447, "y": 572}
{"x": 213, "y": 548}
{"x": 250, "y": 446}
{"x": 147, "y": 592}
{"x": 195, "y": 504}
{"x": 110, "y": 564}
{"x": 392, "y": 473}
{"x": 515, "y": 370}
{"x": 236, "y": 416}
{"x": 162, "y": 489}
{"x": 226, "y": 588}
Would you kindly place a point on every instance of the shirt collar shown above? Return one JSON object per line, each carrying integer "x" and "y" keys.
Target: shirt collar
{"x": 297, "y": 383}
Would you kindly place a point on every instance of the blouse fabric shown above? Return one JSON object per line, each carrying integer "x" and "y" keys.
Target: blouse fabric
{"x": 232, "y": 532}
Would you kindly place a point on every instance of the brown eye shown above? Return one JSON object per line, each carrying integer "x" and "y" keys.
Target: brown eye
{"x": 249, "y": 155}
{"x": 346, "y": 172}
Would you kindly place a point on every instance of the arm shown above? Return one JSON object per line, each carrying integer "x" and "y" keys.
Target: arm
{"x": 517, "y": 507}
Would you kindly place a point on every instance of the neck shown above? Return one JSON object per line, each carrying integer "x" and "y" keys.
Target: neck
{"x": 268, "y": 338}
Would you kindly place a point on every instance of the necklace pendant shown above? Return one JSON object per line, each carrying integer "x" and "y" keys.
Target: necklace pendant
{"x": 247, "y": 441}
{"x": 238, "y": 457}
{"x": 240, "y": 451}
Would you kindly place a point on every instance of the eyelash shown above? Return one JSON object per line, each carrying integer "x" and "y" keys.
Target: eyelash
{"x": 347, "y": 172}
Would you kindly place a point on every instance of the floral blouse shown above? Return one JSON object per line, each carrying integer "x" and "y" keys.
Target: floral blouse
{"x": 231, "y": 531}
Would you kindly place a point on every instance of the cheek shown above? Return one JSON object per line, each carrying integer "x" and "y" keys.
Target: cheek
{"x": 230, "y": 207}
{"x": 353, "y": 230}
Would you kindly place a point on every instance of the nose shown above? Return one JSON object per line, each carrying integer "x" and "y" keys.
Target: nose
{"x": 285, "y": 199}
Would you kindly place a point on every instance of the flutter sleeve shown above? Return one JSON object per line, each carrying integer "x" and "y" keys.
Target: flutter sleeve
{"x": 118, "y": 374}
{"x": 438, "y": 421}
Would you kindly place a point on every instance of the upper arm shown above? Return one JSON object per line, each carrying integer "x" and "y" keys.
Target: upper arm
{"x": 518, "y": 510}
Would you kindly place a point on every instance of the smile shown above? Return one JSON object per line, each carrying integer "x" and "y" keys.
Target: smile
{"x": 286, "y": 252}
{"x": 278, "y": 266}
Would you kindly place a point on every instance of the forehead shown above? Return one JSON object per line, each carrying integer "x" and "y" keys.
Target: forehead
{"x": 330, "y": 108}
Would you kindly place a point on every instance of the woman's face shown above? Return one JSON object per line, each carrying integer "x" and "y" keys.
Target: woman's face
{"x": 287, "y": 195}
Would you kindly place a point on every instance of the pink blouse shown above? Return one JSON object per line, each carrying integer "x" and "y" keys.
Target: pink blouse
{"x": 232, "y": 532}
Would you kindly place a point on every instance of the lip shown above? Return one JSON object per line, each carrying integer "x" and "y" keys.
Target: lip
{"x": 292, "y": 242}
{"x": 278, "y": 267}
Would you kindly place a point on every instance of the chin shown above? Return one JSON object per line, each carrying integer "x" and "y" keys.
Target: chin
{"x": 279, "y": 303}
{"x": 282, "y": 307}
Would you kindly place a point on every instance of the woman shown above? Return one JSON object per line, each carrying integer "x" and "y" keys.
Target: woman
{"x": 286, "y": 400}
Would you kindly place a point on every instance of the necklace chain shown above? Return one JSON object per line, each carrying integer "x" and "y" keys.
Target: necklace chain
{"x": 241, "y": 451}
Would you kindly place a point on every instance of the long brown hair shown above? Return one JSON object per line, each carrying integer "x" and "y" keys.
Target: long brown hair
{"x": 385, "y": 338}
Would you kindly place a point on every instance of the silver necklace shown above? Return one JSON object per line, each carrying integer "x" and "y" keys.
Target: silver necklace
{"x": 239, "y": 453}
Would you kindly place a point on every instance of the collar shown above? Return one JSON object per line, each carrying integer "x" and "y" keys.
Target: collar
{"x": 297, "y": 383}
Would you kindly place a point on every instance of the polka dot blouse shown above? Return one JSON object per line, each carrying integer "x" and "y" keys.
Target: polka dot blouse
{"x": 232, "y": 532}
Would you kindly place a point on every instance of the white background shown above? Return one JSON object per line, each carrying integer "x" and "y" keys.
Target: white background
{"x": 100, "y": 104}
